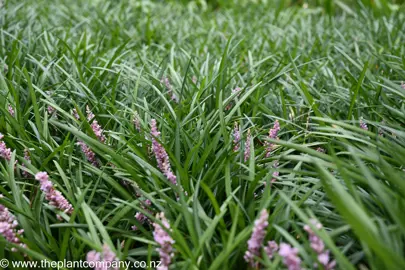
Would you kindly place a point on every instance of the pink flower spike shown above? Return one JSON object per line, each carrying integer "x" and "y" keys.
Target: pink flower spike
{"x": 75, "y": 114}
{"x": 247, "y": 146}
{"x": 137, "y": 122}
{"x": 27, "y": 158}
{"x": 273, "y": 132}
{"x": 256, "y": 240}
{"x": 166, "y": 82}
{"x": 90, "y": 155}
{"x": 236, "y": 137}
{"x": 8, "y": 225}
{"x": 363, "y": 125}
{"x": 104, "y": 260}
{"x": 11, "y": 110}
{"x": 54, "y": 197}
{"x": 164, "y": 240}
{"x": 52, "y": 111}
{"x": 290, "y": 256}
{"x": 276, "y": 173}
{"x": 271, "y": 249}
{"x": 4, "y": 151}
{"x": 403, "y": 85}
{"x": 318, "y": 246}
{"x": 161, "y": 155}
{"x": 95, "y": 126}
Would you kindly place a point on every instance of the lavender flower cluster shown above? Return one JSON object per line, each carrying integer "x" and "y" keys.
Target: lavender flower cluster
{"x": 161, "y": 155}
{"x": 54, "y": 197}
{"x": 273, "y": 132}
{"x": 11, "y": 110}
{"x": 289, "y": 254}
{"x": 165, "y": 81}
{"x": 4, "y": 151}
{"x": 164, "y": 240}
{"x": 8, "y": 225}
{"x": 236, "y": 137}
{"x": 142, "y": 218}
{"x": 247, "y": 146}
{"x": 27, "y": 158}
{"x": 95, "y": 125}
{"x": 256, "y": 240}
{"x": 318, "y": 246}
{"x": 102, "y": 259}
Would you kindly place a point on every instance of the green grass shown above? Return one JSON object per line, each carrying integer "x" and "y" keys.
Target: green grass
{"x": 317, "y": 70}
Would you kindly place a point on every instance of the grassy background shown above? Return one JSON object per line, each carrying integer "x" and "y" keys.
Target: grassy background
{"x": 318, "y": 70}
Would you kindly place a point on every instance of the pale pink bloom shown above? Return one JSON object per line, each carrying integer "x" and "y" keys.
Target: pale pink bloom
{"x": 403, "y": 85}
{"x": 256, "y": 240}
{"x": 52, "y": 111}
{"x": 236, "y": 137}
{"x": 318, "y": 246}
{"x": 290, "y": 256}
{"x": 166, "y": 82}
{"x": 320, "y": 150}
{"x": 4, "y": 151}
{"x": 90, "y": 155}
{"x": 273, "y": 132}
{"x": 75, "y": 114}
{"x": 11, "y": 110}
{"x": 137, "y": 122}
{"x": 247, "y": 146}
{"x": 8, "y": 225}
{"x": 194, "y": 79}
{"x": 275, "y": 173}
{"x": 142, "y": 218}
{"x": 161, "y": 155}
{"x": 363, "y": 124}
{"x": 271, "y": 249}
{"x": 164, "y": 240}
{"x": 54, "y": 197}
{"x": 27, "y": 158}
{"x": 103, "y": 259}
{"x": 95, "y": 126}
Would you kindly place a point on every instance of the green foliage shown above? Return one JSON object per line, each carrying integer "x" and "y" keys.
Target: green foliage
{"x": 317, "y": 70}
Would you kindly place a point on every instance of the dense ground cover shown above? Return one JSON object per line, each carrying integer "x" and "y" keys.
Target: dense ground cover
{"x": 134, "y": 108}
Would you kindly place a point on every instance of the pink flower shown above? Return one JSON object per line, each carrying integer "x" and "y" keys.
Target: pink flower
{"x": 271, "y": 249}
{"x": 4, "y": 151}
{"x": 8, "y": 225}
{"x": 247, "y": 146}
{"x": 276, "y": 173}
{"x": 403, "y": 85}
{"x": 164, "y": 240}
{"x": 137, "y": 122}
{"x": 273, "y": 132}
{"x": 52, "y": 111}
{"x": 90, "y": 155}
{"x": 95, "y": 126}
{"x": 166, "y": 82}
{"x": 54, "y": 197}
{"x": 320, "y": 150}
{"x": 318, "y": 246}
{"x": 75, "y": 114}
{"x": 11, "y": 110}
{"x": 363, "y": 125}
{"x": 140, "y": 216}
{"x": 27, "y": 158}
{"x": 256, "y": 240}
{"x": 161, "y": 155}
{"x": 290, "y": 256}
{"x": 105, "y": 260}
{"x": 236, "y": 137}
